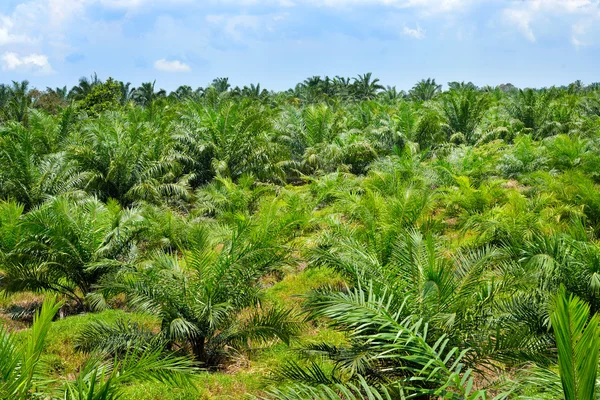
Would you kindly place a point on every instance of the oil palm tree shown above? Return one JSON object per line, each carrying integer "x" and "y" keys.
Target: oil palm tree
{"x": 84, "y": 87}
{"x": 221, "y": 85}
{"x": 532, "y": 108}
{"x": 201, "y": 306}
{"x": 126, "y": 159}
{"x": 32, "y": 167}
{"x": 146, "y": 94}
{"x": 182, "y": 93}
{"x": 425, "y": 89}
{"x": 127, "y": 92}
{"x": 230, "y": 139}
{"x": 20, "y": 100}
{"x": 23, "y": 376}
{"x": 66, "y": 246}
{"x": 464, "y": 110}
{"x": 366, "y": 88}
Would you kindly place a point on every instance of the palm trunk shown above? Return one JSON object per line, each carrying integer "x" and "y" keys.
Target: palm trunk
{"x": 199, "y": 350}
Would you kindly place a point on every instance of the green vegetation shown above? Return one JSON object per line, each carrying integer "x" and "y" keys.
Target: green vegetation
{"x": 339, "y": 240}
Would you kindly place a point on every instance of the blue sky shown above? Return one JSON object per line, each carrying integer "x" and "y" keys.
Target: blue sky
{"x": 281, "y": 42}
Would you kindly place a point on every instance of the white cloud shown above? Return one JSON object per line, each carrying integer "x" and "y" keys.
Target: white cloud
{"x": 34, "y": 62}
{"x": 431, "y": 6}
{"x": 171, "y": 66}
{"x": 6, "y": 35}
{"x": 237, "y": 27}
{"x": 417, "y": 33}
{"x": 61, "y": 11}
{"x": 233, "y": 25}
{"x": 525, "y": 14}
{"x": 522, "y": 20}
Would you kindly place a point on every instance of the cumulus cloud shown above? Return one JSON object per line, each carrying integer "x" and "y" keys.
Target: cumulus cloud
{"x": 34, "y": 62}
{"x": 6, "y": 34}
{"x": 522, "y": 20}
{"x": 416, "y": 33}
{"x": 171, "y": 66}
{"x": 524, "y": 14}
{"x": 432, "y": 6}
{"x": 233, "y": 25}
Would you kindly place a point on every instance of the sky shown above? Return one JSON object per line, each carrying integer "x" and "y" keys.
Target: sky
{"x": 277, "y": 43}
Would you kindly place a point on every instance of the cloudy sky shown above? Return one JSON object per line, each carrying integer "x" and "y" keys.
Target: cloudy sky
{"x": 281, "y": 42}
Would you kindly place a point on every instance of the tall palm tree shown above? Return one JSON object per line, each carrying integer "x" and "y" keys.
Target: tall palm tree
{"x": 127, "y": 92}
{"x": 182, "y": 93}
{"x": 366, "y": 88}
{"x": 61, "y": 92}
{"x": 84, "y": 87}
{"x": 221, "y": 85}
{"x": 146, "y": 94}
{"x": 20, "y": 101}
{"x": 425, "y": 89}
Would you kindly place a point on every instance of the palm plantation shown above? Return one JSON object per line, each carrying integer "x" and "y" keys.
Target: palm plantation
{"x": 338, "y": 240}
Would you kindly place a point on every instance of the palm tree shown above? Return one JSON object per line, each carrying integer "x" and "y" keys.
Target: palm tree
{"x": 458, "y": 86}
{"x": 127, "y": 92}
{"x": 576, "y": 375}
{"x": 254, "y": 92}
{"x": 84, "y": 87}
{"x": 31, "y": 166}
{"x": 390, "y": 355}
{"x": 61, "y": 92}
{"x": 392, "y": 94}
{"x": 66, "y": 246}
{"x": 578, "y": 342}
{"x": 531, "y": 108}
{"x": 230, "y": 139}
{"x": 145, "y": 95}
{"x": 464, "y": 110}
{"x": 127, "y": 159}
{"x": 365, "y": 88}
{"x": 21, "y": 361}
{"x": 200, "y": 306}
{"x": 221, "y": 85}
{"x": 23, "y": 375}
{"x": 20, "y": 100}
{"x": 425, "y": 90}
{"x": 182, "y": 93}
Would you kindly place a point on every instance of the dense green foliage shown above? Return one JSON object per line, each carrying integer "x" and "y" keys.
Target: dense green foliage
{"x": 356, "y": 241}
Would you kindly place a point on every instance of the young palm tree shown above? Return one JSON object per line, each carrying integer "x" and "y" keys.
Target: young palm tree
{"x": 126, "y": 159}
{"x": 464, "y": 110}
{"x": 212, "y": 303}
{"x": 66, "y": 246}
{"x": 22, "y": 375}
{"x": 32, "y": 168}
{"x": 230, "y": 139}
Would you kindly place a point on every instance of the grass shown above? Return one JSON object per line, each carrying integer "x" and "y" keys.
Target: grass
{"x": 236, "y": 382}
{"x": 289, "y": 290}
{"x": 218, "y": 386}
{"x": 59, "y": 353}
